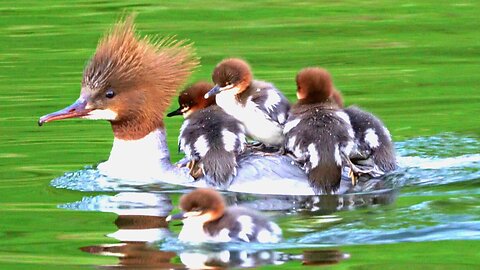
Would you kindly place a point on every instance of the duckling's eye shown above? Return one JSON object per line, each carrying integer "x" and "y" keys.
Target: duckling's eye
{"x": 110, "y": 93}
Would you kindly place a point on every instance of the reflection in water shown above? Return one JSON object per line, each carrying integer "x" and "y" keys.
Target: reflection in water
{"x": 135, "y": 254}
{"x": 141, "y": 223}
{"x": 310, "y": 222}
{"x": 320, "y": 205}
{"x": 139, "y": 255}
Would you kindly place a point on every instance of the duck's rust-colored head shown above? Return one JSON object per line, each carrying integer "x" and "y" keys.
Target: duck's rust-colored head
{"x": 130, "y": 81}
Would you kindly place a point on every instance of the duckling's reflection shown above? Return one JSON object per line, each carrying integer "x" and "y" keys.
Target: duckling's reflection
{"x": 141, "y": 222}
{"x": 249, "y": 259}
{"x": 139, "y": 255}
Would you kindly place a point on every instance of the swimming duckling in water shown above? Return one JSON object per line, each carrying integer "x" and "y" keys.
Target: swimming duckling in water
{"x": 206, "y": 219}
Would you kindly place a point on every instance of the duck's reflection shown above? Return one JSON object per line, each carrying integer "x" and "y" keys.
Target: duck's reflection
{"x": 132, "y": 255}
{"x": 141, "y": 225}
{"x": 140, "y": 255}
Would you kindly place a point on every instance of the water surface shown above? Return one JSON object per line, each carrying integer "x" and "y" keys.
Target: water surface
{"x": 415, "y": 65}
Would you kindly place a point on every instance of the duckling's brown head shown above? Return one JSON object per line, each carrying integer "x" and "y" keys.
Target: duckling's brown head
{"x": 337, "y": 98}
{"x": 232, "y": 74}
{"x": 314, "y": 85}
{"x": 203, "y": 202}
{"x": 130, "y": 81}
{"x": 191, "y": 99}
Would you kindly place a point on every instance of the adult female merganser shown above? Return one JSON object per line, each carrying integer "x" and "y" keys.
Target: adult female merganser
{"x": 375, "y": 152}
{"x": 325, "y": 150}
{"x": 210, "y": 138}
{"x": 206, "y": 219}
{"x": 258, "y": 105}
{"x": 130, "y": 82}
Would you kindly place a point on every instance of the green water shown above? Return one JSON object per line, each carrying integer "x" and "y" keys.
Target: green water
{"x": 413, "y": 64}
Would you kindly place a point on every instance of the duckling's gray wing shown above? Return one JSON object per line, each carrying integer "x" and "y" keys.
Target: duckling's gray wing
{"x": 271, "y": 101}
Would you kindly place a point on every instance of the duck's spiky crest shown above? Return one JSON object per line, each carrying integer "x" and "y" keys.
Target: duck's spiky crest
{"x": 155, "y": 69}
{"x": 122, "y": 57}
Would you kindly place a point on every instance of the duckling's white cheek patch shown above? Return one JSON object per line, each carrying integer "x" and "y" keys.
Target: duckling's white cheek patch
{"x": 101, "y": 115}
{"x": 230, "y": 87}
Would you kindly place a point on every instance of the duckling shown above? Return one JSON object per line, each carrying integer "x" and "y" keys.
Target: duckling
{"x": 206, "y": 219}
{"x": 375, "y": 152}
{"x": 210, "y": 138}
{"x": 317, "y": 133}
{"x": 191, "y": 99}
{"x": 258, "y": 105}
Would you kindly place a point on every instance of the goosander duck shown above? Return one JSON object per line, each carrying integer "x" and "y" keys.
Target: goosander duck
{"x": 130, "y": 82}
{"x": 260, "y": 106}
{"x": 375, "y": 151}
{"x": 325, "y": 151}
{"x": 206, "y": 219}
{"x": 210, "y": 138}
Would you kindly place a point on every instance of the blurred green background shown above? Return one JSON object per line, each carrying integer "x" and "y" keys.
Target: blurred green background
{"x": 415, "y": 64}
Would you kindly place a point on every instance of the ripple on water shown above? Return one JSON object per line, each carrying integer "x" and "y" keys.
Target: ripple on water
{"x": 469, "y": 230}
{"x": 435, "y": 160}
{"x": 432, "y": 169}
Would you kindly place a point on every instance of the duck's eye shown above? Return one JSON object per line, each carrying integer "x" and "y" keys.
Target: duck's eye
{"x": 110, "y": 94}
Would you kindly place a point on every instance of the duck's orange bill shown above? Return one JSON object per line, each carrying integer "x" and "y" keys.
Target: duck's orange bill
{"x": 77, "y": 109}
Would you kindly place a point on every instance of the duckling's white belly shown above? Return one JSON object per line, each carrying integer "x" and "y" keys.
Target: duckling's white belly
{"x": 257, "y": 123}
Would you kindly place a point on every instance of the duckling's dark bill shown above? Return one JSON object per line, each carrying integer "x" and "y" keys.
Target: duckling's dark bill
{"x": 176, "y": 112}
